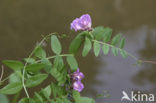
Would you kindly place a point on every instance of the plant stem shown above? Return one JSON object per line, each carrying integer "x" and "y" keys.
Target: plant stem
{"x": 23, "y": 77}
{"x": 147, "y": 61}
{"x": 2, "y": 73}
{"x": 51, "y": 57}
{"x": 5, "y": 79}
{"x": 143, "y": 61}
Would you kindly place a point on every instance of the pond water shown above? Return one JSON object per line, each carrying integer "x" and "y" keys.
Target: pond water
{"x": 22, "y": 22}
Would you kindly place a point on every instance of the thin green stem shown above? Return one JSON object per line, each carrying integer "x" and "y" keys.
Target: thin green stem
{"x": 2, "y": 73}
{"x": 5, "y": 79}
{"x": 23, "y": 77}
{"x": 51, "y": 57}
{"x": 138, "y": 60}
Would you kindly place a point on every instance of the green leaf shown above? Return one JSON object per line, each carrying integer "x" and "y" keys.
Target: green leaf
{"x": 58, "y": 62}
{"x": 84, "y": 100}
{"x": 107, "y": 34}
{"x": 35, "y": 80}
{"x": 4, "y": 98}
{"x": 57, "y": 90}
{"x": 72, "y": 63}
{"x": 54, "y": 89}
{"x": 48, "y": 65}
{"x": 65, "y": 100}
{"x": 58, "y": 76}
{"x": 35, "y": 67}
{"x": 30, "y": 60}
{"x": 105, "y": 49}
{"x": 98, "y": 33}
{"x": 115, "y": 51}
{"x": 76, "y": 42}
{"x": 47, "y": 91}
{"x": 78, "y": 99}
{"x": 55, "y": 45}
{"x": 76, "y": 94}
{"x": 123, "y": 53}
{"x": 40, "y": 53}
{"x": 96, "y": 48}
{"x": 15, "y": 77}
{"x": 15, "y": 65}
{"x": 38, "y": 98}
{"x": 26, "y": 100}
{"x": 122, "y": 43}
{"x": 116, "y": 39}
{"x": 11, "y": 88}
{"x": 87, "y": 47}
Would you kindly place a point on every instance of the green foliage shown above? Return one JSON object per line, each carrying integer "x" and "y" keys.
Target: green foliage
{"x": 116, "y": 45}
{"x": 11, "y": 88}
{"x": 30, "y": 60}
{"x": 123, "y": 53}
{"x": 98, "y": 32}
{"x": 27, "y": 100}
{"x": 35, "y": 80}
{"x": 15, "y": 65}
{"x": 57, "y": 90}
{"x": 108, "y": 34}
{"x": 35, "y": 67}
{"x": 59, "y": 76}
{"x": 105, "y": 49}
{"x": 115, "y": 51}
{"x": 72, "y": 63}
{"x": 76, "y": 42}
{"x": 97, "y": 48}
{"x": 122, "y": 43}
{"x": 38, "y": 98}
{"x": 47, "y": 91}
{"x": 79, "y": 99}
{"x": 55, "y": 45}
{"x": 15, "y": 77}
{"x": 39, "y": 66}
{"x": 87, "y": 47}
{"x": 58, "y": 63}
{"x": 3, "y": 98}
{"x": 116, "y": 39}
{"x": 40, "y": 53}
{"x": 59, "y": 71}
{"x": 101, "y": 33}
{"x": 47, "y": 65}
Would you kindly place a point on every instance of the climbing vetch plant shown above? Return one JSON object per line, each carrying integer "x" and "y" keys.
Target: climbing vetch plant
{"x": 67, "y": 82}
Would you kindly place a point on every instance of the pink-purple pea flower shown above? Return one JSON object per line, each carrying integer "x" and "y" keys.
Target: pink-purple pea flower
{"x": 78, "y": 76}
{"x": 78, "y": 86}
{"x": 76, "y": 79}
{"x": 82, "y": 23}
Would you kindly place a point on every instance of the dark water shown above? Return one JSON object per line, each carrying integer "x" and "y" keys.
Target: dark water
{"x": 22, "y": 22}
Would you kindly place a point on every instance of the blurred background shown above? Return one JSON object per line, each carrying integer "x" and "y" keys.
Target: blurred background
{"x": 22, "y": 22}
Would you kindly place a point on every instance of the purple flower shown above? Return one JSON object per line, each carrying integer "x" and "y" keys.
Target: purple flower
{"x": 76, "y": 78}
{"x": 78, "y": 86}
{"x": 82, "y": 23}
{"x": 77, "y": 75}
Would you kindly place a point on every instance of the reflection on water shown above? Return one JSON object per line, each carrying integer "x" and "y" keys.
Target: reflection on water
{"x": 23, "y": 21}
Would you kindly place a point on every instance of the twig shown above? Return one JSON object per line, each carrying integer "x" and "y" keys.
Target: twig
{"x": 2, "y": 73}
{"x": 23, "y": 78}
{"x": 147, "y": 61}
{"x": 51, "y": 57}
